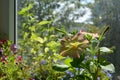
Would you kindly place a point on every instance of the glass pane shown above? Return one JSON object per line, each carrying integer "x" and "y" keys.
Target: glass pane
{"x": 41, "y": 24}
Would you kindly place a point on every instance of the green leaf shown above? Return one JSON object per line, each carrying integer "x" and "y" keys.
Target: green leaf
{"x": 103, "y": 61}
{"x": 103, "y": 75}
{"x": 67, "y": 61}
{"x": 34, "y": 37}
{"x": 39, "y": 39}
{"x": 46, "y": 49}
{"x": 77, "y": 61}
{"x": 83, "y": 77}
{"x": 24, "y": 10}
{"x": 93, "y": 67}
{"x": 105, "y": 50}
{"x": 32, "y": 28}
{"x": 25, "y": 35}
{"x": 60, "y": 67}
{"x": 109, "y": 67}
{"x": 44, "y": 23}
{"x": 62, "y": 31}
{"x": 33, "y": 50}
{"x": 49, "y": 78}
{"x": 89, "y": 37}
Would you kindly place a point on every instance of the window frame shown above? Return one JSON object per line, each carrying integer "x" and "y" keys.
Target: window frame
{"x": 12, "y": 21}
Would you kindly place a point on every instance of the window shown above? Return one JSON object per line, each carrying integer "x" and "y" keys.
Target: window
{"x": 71, "y": 15}
{"x": 39, "y": 27}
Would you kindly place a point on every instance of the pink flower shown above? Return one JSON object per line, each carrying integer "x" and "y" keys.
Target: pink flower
{"x": 13, "y": 48}
{"x": 3, "y": 41}
{"x": 4, "y": 58}
{"x": 19, "y": 59}
{"x": 94, "y": 35}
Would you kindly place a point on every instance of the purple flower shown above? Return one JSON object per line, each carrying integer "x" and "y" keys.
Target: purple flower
{"x": 43, "y": 62}
{"x": 13, "y": 48}
{"x": 70, "y": 73}
{"x": 4, "y": 58}
{"x": 3, "y": 41}
{"x": 1, "y": 52}
{"x": 95, "y": 57}
{"x": 81, "y": 69}
{"x": 109, "y": 75}
{"x": 77, "y": 69}
{"x": 98, "y": 78}
{"x": 19, "y": 58}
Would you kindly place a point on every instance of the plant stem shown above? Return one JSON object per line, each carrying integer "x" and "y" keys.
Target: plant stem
{"x": 98, "y": 56}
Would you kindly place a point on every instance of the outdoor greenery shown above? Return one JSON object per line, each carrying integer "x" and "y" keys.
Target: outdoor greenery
{"x": 39, "y": 59}
{"x": 53, "y": 45}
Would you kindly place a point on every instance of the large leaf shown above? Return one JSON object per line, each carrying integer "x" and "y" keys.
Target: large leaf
{"x": 109, "y": 67}
{"x": 105, "y": 50}
{"x": 68, "y": 60}
{"x": 60, "y": 67}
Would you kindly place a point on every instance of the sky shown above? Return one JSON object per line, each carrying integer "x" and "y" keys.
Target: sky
{"x": 82, "y": 19}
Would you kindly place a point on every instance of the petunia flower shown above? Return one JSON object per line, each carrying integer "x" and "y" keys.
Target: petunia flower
{"x": 73, "y": 46}
{"x": 94, "y": 35}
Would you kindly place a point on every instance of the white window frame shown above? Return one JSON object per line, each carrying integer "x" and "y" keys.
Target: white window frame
{"x": 12, "y": 21}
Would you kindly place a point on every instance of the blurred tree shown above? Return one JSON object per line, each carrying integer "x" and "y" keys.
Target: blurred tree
{"x": 68, "y": 13}
{"x": 107, "y": 13}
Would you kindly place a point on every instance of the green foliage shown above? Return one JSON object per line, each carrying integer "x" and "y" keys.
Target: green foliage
{"x": 40, "y": 44}
{"x": 105, "y": 13}
{"x": 44, "y": 22}
{"x": 105, "y": 50}
{"x": 109, "y": 67}
{"x": 60, "y": 67}
{"x": 90, "y": 65}
{"x": 25, "y": 10}
{"x": 38, "y": 56}
{"x": 11, "y": 63}
{"x": 77, "y": 61}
